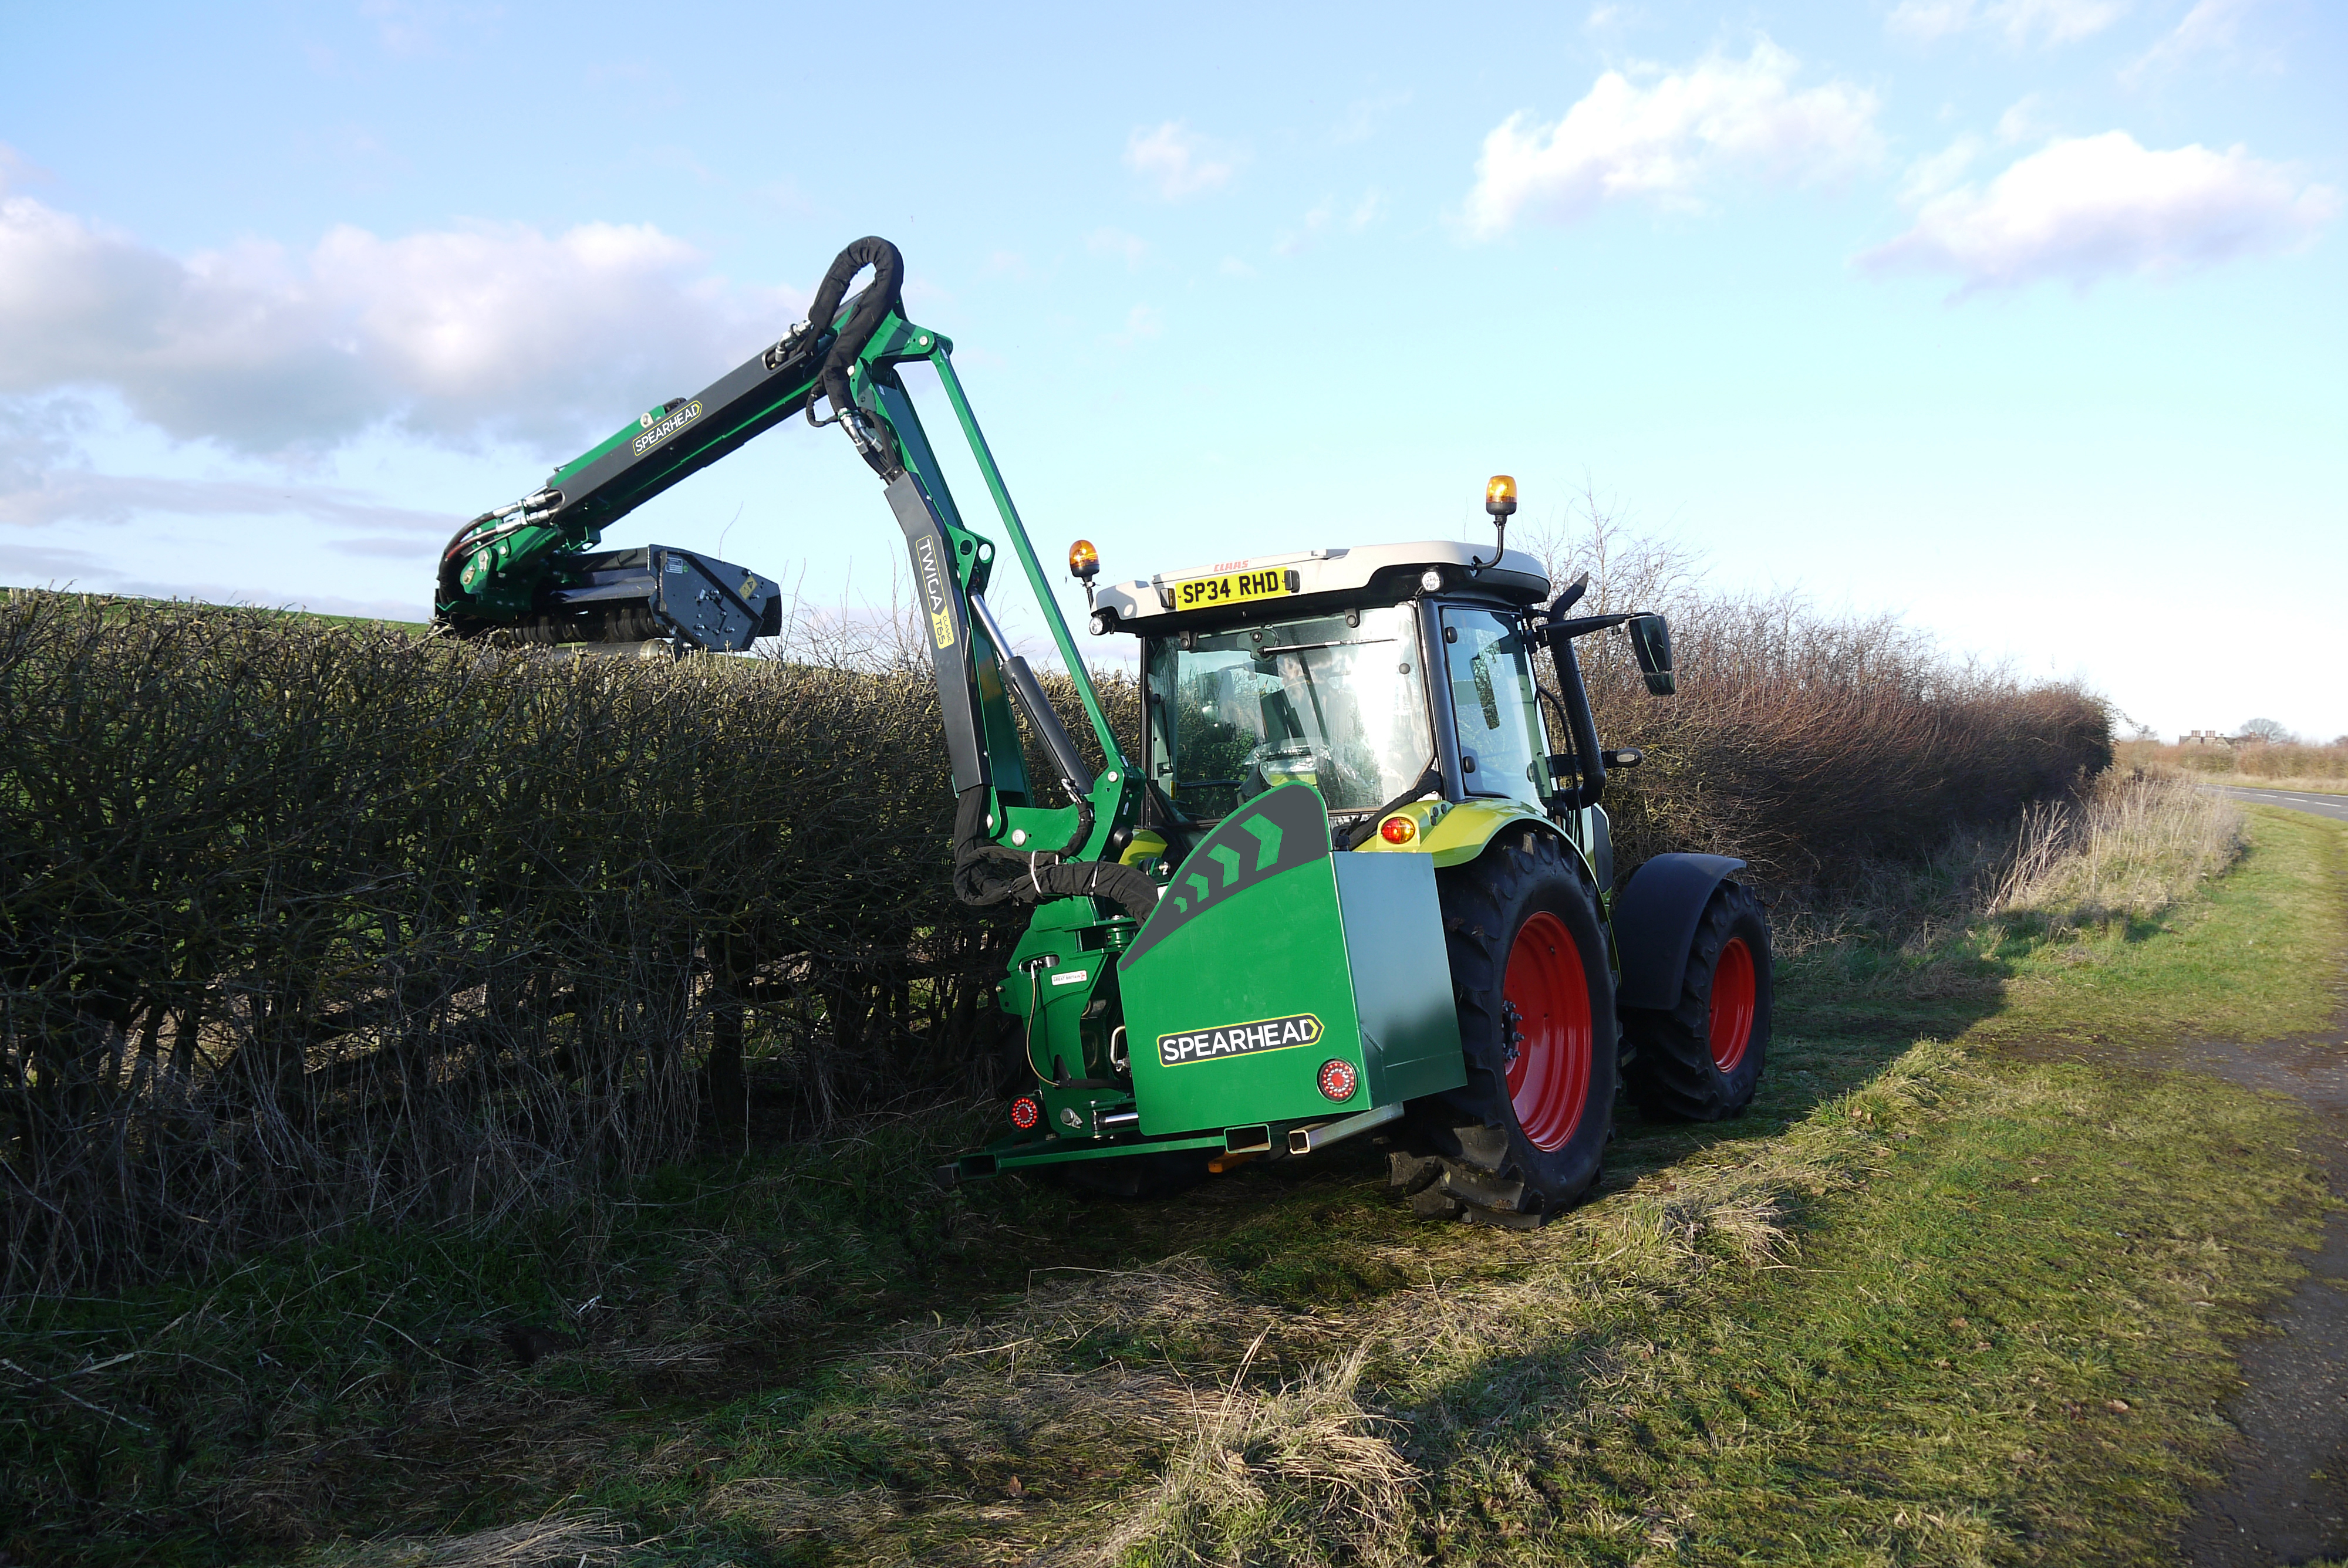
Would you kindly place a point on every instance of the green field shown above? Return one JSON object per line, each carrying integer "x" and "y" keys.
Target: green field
{"x": 1961, "y": 1289}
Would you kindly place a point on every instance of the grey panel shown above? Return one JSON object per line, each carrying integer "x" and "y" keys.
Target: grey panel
{"x": 1402, "y": 975}
{"x": 946, "y": 621}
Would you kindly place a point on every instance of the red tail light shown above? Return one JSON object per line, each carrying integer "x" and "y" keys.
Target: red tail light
{"x": 1338, "y": 1079}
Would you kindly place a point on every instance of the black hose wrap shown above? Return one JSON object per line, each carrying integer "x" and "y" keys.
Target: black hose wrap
{"x": 985, "y": 873}
{"x": 881, "y": 297}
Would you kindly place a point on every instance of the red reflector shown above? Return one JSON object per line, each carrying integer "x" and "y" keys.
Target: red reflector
{"x": 1025, "y": 1113}
{"x": 1397, "y": 830}
{"x": 1338, "y": 1079}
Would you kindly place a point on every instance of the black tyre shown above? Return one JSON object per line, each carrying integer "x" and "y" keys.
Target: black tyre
{"x": 1702, "y": 1060}
{"x": 1523, "y": 1139}
{"x": 1136, "y": 1176}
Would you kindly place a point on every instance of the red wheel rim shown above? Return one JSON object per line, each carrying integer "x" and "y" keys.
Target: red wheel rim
{"x": 1732, "y": 1005}
{"x": 1549, "y": 1017}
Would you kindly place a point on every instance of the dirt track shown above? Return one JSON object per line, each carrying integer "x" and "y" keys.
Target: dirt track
{"x": 2286, "y": 1499}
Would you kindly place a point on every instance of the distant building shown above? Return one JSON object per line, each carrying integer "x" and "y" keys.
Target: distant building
{"x": 2204, "y": 738}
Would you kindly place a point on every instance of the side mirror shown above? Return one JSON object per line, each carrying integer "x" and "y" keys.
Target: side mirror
{"x": 1651, "y": 639}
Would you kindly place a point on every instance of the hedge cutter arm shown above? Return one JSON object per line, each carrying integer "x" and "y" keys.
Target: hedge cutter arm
{"x": 527, "y": 568}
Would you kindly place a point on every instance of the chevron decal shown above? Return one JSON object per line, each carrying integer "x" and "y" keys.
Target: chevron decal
{"x": 1278, "y": 831}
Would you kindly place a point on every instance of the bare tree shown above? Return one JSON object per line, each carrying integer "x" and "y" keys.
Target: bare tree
{"x": 1628, "y": 569}
{"x": 2268, "y": 731}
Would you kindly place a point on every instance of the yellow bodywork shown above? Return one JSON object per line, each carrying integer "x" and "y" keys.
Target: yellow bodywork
{"x": 1452, "y": 833}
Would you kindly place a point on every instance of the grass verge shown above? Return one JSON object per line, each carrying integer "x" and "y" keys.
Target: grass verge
{"x": 1961, "y": 1290}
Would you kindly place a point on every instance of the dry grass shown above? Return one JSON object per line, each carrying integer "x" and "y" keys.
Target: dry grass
{"x": 2297, "y": 764}
{"x": 2129, "y": 848}
{"x": 2122, "y": 851}
{"x": 588, "y": 1539}
{"x": 1303, "y": 1473}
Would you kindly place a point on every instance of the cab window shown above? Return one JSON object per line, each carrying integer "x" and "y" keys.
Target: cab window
{"x": 1333, "y": 702}
{"x": 1495, "y": 706}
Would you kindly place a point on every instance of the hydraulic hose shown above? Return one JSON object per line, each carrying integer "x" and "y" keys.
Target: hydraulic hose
{"x": 985, "y": 873}
{"x": 872, "y": 307}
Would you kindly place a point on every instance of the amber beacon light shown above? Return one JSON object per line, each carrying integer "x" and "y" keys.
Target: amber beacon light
{"x": 1500, "y": 495}
{"x": 1084, "y": 562}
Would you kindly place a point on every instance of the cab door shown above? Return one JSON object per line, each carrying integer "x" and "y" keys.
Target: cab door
{"x": 1495, "y": 706}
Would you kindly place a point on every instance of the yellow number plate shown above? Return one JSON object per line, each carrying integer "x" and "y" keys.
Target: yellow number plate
{"x": 1232, "y": 587}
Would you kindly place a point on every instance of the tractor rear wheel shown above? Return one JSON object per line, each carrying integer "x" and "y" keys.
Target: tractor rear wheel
{"x": 1523, "y": 1139}
{"x": 1702, "y": 1060}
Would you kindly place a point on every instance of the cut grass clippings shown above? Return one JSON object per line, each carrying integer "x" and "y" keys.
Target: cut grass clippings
{"x": 1963, "y": 1300}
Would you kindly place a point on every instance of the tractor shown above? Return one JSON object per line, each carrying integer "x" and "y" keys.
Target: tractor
{"x": 1353, "y": 876}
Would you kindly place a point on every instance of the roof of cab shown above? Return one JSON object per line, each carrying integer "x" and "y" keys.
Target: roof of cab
{"x": 1515, "y": 575}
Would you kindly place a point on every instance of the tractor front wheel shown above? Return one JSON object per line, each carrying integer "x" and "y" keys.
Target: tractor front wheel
{"x": 1522, "y": 1140}
{"x": 1702, "y": 1060}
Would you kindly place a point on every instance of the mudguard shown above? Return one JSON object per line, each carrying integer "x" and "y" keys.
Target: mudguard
{"x": 1654, "y": 920}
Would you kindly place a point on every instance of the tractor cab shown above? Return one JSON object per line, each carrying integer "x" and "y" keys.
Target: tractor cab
{"x": 1396, "y": 679}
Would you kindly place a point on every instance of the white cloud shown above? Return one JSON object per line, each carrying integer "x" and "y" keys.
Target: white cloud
{"x": 1362, "y": 118}
{"x": 459, "y": 335}
{"x": 1142, "y": 323}
{"x": 1177, "y": 161}
{"x": 2021, "y": 123}
{"x": 1929, "y": 176}
{"x": 1117, "y": 242}
{"x": 1668, "y": 139}
{"x": 1323, "y": 218}
{"x": 412, "y": 29}
{"x": 2100, "y": 206}
{"x": 83, "y": 496}
{"x": 16, "y": 169}
{"x": 2212, "y": 27}
{"x": 34, "y": 565}
{"x": 2022, "y": 21}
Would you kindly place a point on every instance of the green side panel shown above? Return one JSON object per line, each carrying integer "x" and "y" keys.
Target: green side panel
{"x": 1235, "y": 989}
{"x": 1402, "y": 976}
{"x": 1269, "y": 957}
{"x": 1229, "y": 1020}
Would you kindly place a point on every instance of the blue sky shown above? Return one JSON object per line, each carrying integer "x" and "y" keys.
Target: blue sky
{"x": 2025, "y": 319}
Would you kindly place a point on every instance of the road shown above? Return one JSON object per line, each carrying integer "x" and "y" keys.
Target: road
{"x": 2332, "y": 806}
